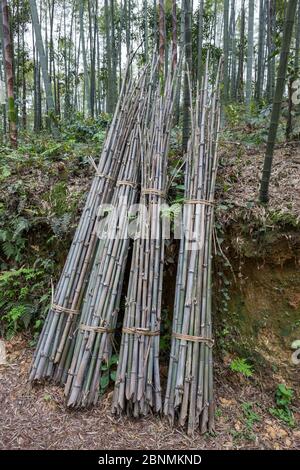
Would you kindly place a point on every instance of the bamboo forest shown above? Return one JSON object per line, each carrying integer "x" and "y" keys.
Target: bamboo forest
{"x": 149, "y": 228}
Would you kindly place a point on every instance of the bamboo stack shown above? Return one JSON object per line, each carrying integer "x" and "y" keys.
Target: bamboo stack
{"x": 137, "y": 386}
{"x": 93, "y": 344}
{"x": 62, "y": 319}
{"x": 189, "y": 394}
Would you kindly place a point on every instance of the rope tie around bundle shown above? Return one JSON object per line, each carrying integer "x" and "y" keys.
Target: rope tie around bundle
{"x": 140, "y": 331}
{"x": 60, "y": 309}
{"x": 99, "y": 173}
{"x": 195, "y": 339}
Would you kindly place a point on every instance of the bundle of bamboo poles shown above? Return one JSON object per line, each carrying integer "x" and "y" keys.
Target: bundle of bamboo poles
{"x": 189, "y": 394}
{"x": 55, "y": 339}
{"x": 137, "y": 386}
{"x": 92, "y": 346}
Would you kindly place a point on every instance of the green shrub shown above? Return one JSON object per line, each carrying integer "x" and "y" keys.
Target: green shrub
{"x": 13, "y": 237}
{"x": 84, "y": 130}
{"x": 242, "y": 367}
{"x": 109, "y": 373}
{"x": 283, "y": 398}
{"x": 24, "y": 299}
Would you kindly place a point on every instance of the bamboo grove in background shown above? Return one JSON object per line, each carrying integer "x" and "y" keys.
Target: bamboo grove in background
{"x": 74, "y": 58}
{"x": 60, "y": 58}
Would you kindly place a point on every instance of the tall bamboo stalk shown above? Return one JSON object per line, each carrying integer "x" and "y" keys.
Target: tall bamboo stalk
{"x": 9, "y": 74}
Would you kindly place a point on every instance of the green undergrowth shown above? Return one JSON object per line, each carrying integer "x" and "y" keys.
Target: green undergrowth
{"x": 283, "y": 400}
{"x": 250, "y": 128}
{"x": 24, "y": 297}
{"x": 42, "y": 191}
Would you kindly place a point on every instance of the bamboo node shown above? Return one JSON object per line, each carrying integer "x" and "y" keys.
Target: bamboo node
{"x": 196, "y": 339}
{"x": 140, "y": 331}
{"x": 61, "y": 309}
{"x": 96, "y": 329}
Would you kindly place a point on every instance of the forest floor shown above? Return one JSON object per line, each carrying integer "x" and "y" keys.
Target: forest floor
{"x": 36, "y": 418}
{"x": 239, "y": 177}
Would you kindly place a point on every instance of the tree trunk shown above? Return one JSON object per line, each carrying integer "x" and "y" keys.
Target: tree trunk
{"x": 281, "y": 74}
{"x": 233, "y": 52}
{"x": 260, "y": 60}
{"x": 16, "y": 62}
{"x": 9, "y": 73}
{"x": 240, "y": 76}
{"x": 51, "y": 45}
{"x": 109, "y": 105}
{"x": 289, "y": 125}
{"x": 155, "y": 35}
{"x": 200, "y": 41}
{"x": 226, "y": 51}
{"x": 84, "y": 58}
{"x": 24, "y": 111}
{"x": 162, "y": 39}
{"x": 37, "y": 123}
{"x": 43, "y": 62}
{"x": 2, "y": 75}
{"x": 146, "y": 30}
{"x": 119, "y": 48}
{"x": 174, "y": 34}
{"x": 93, "y": 32}
{"x": 113, "y": 57}
{"x": 127, "y": 25}
{"x": 181, "y": 48}
{"x": 188, "y": 59}
{"x": 297, "y": 45}
{"x": 271, "y": 22}
{"x": 250, "y": 54}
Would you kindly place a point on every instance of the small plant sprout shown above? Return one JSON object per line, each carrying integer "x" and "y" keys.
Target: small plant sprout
{"x": 241, "y": 367}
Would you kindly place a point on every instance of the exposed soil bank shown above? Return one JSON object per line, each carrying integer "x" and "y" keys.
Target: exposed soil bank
{"x": 262, "y": 314}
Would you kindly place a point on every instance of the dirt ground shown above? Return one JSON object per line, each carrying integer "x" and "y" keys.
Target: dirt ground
{"x": 240, "y": 174}
{"x": 36, "y": 418}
